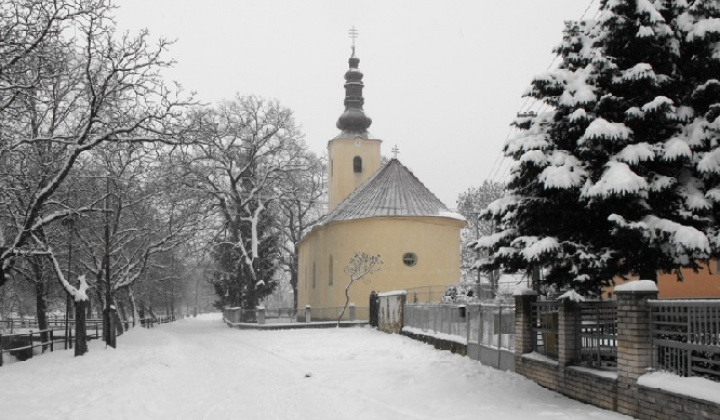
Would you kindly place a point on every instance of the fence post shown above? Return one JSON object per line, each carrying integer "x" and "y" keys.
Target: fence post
{"x": 308, "y": 313}
{"x": 52, "y": 340}
{"x": 261, "y": 315}
{"x": 31, "y": 345}
{"x": 634, "y": 338}
{"x": 1, "y": 348}
{"x": 524, "y": 338}
{"x": 567, "y": 332}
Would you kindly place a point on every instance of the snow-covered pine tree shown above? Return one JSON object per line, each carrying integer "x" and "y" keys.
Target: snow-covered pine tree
{"x": 606, "y": 181}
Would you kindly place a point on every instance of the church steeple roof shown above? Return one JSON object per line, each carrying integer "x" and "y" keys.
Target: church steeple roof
{"x": 391, "y": 191}
{"x": 353, "y": 122}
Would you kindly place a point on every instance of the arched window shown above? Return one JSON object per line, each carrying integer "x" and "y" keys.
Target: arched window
{"x": 357, "y": 164}
{"x": 330, "y": 271}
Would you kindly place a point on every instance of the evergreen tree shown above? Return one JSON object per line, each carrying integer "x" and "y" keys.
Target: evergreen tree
{"x": 234, "y": 284}
{"x": 609, "y": 180}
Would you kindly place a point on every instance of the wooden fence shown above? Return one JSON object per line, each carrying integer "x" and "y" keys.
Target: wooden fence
{"x": 23, "y": 345}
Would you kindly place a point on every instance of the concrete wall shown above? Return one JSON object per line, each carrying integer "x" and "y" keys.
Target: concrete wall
{"x": 390, "y": 315}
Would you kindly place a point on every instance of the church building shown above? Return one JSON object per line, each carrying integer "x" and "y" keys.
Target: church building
{"x": 379, "y": 210}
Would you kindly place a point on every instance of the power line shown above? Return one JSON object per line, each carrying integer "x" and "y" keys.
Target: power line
{"x": 527, "y": 107}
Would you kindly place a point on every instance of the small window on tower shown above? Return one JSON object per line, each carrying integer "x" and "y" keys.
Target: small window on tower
{"x": 357, "y": 165}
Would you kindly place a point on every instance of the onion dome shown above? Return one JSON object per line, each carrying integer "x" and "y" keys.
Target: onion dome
{"x": 353, "y": 122}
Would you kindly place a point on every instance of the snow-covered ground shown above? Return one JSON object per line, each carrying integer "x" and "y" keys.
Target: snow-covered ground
{"x": 200, "y": 369}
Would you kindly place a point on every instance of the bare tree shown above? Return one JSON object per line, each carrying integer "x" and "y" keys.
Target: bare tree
{"x": 359, "y": 267}
{"x": 241, "y": 151}
{"x": 68, "y": 83}
{"x": 301, "y": 205}
{"x": 471, "y": 204}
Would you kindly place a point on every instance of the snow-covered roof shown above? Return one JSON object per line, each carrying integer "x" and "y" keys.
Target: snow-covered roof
{"x": 392, "y": 191}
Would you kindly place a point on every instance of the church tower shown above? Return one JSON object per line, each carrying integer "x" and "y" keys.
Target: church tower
{"x": 354, "y": 156}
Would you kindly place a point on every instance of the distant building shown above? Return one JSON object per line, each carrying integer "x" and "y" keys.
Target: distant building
{"x": 380, "y": 210}
{"x": 703, "y": 284}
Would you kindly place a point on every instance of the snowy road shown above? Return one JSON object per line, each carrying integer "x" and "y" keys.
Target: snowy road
{"x": 200, "y": 369}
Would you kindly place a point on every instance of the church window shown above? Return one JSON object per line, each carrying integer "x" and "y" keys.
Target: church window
{"x": 409, "y": 259}
{"x": 357, "y": 164}
{"x": 330, "y": 271}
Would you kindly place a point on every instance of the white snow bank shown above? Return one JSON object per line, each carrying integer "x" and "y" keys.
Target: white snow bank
{"x": 637, "y": 286}
{"x": 695, "y": 387}
{"x": 193, "y": 369}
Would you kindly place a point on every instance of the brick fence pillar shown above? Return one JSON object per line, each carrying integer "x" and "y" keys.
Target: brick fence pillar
{"x": 568, "y": 331}
{"x": 634, "y": 339}
{"x": 524, "y": 338}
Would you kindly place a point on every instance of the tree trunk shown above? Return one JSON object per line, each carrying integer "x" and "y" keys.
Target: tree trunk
{"x": 133, "y": 306}
{"x": 109, "y": 326}
{"x": 89, "y": 310}
{"x": 81, "y": 346}
{"x": 40, "y": 301}
{"x": 121, "y": 316}
{"x": 293, "y": 284}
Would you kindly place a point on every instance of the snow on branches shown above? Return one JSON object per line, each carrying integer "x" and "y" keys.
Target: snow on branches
{"x": 619, "y": 174}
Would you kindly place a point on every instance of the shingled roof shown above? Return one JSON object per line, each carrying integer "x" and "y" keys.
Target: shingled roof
{"x": 392, "y": 191}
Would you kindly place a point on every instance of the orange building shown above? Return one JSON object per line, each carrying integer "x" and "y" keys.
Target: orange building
{"x": 703, "y": 284}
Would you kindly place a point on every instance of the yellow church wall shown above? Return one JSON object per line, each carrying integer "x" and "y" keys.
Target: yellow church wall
{"x": 343, "y": 178}
{"x": 434, "y": 240}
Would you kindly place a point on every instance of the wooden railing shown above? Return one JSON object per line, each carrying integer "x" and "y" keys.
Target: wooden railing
{"x": 23, "y": 345}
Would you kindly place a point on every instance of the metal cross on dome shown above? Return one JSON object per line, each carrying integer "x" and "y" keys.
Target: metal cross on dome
{"x": 395, "y": 151}
{"x": 353, "y": 35}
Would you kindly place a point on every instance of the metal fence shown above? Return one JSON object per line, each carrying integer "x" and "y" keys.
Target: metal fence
{"x": 545, "y": 317}
{"x": 426, "y": 294}
{"x": 492, "y": 325}
{"x": 597, "y": 338}
{"x": 290, "y": 315}
{"x": 686, "y": 337}
{"x": 436, "y": 318}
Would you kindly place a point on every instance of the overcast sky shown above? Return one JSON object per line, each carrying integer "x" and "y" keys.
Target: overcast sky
{"x": 443, "y": 79}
